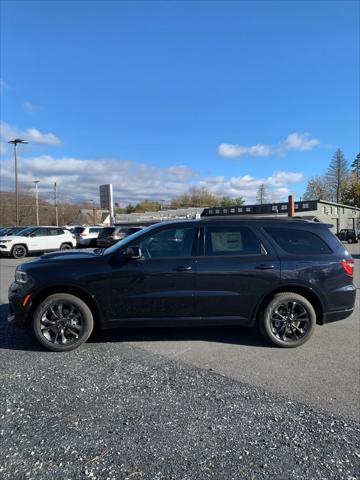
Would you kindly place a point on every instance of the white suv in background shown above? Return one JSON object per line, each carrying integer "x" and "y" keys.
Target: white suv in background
{"x": 86, "y": 236}
{"x": 36, "y": 240}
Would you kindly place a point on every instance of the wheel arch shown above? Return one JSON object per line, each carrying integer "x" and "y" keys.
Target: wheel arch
{"x": 72, "y": 290}
{"x": 309, "y": 294}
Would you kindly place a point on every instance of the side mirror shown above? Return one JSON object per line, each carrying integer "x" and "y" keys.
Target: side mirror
{"x": 134, "y": 253}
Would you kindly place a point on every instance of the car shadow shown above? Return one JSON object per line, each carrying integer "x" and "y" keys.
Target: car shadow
{"x": 12, "y": 338}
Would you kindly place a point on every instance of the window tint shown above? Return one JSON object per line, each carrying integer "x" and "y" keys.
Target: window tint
{"x": 170, "y": 242}
{"x": 78, "y": 230}
{"x": 298, "y": 241}
{"x": 53, "y": 231}
{"x": 94, "y": 230}
{"x": 231, "y": 240}
{"x": 107, "y": 231}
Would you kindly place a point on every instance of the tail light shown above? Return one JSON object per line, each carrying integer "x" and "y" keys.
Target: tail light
{"x": 348, "y": 266}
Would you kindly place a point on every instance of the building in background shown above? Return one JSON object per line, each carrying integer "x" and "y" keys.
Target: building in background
{"x": 340, "y": 216}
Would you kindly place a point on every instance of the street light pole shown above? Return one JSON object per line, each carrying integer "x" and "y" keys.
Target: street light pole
{"x": 15, "y": 142}
{"x": 37, "y": 201}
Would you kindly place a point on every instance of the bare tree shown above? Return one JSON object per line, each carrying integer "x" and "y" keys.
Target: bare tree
{"x": 317, "y": 188}
{"x": 261, "y": 195}
{"x": 336, "y": 175}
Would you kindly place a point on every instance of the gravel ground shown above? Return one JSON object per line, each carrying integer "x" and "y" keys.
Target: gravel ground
{"x": 123, "y": 413}
{"x": 115, "y": 410}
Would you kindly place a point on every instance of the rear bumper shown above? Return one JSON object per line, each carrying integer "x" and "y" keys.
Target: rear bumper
{"x": 330, "y": 317}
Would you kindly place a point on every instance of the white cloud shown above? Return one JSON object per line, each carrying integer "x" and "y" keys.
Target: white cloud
{"x": 294, "y": 141}
{"x": 8, "y": 132}
{"x": 3, "y": 149}
{"x": 30, "y": 107}
{"x": 79, "y": 179}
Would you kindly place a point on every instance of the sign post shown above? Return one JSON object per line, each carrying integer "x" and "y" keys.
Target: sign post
{"x": 106, "y": 200}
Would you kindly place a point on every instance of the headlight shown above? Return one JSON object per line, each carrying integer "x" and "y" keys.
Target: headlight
{"x": 5, "y": 241}
{"x": 21, "y": 277}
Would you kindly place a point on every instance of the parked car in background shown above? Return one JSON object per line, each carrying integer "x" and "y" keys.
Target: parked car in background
{"x": 283, "y": 276}
{"x": 36, "y": 240}
{"x": 86, "y": 236}
{"x": 347, "y": 235}
{"x": 111, "y": 235}
{"x": 12, "y": 231}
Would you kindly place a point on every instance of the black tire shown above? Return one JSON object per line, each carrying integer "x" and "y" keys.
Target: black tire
{"x": 61, "y": 333}
{"x": 350, "y": 240}
{"x": 19, "y": 251}
{"x": 66, "y": 246}
{"x": 288, "y": 320}
{"x": 92, "y": 243}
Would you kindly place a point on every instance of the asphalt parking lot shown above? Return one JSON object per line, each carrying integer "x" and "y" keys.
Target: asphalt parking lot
{"x": 180, "y": 404}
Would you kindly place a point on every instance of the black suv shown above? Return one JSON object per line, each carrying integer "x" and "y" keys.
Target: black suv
{"x": 284, "y": 276}
{"x": 347, "y": 235}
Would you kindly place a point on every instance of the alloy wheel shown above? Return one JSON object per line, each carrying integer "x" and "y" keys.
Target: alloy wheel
{"x": 290, "y": 321}
{"x": 62, "y": 323}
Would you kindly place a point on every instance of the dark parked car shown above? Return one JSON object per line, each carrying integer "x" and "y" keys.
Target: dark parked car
{"x": 111, "y": 235}
{"x": 347, "y": 235}
{"x": 284, "y": 276}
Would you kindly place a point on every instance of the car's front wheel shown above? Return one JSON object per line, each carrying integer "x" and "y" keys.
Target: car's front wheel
{"x": 19, "y": 251}
{"x": 288, "y": 320}
{"x": 62, "y": 322}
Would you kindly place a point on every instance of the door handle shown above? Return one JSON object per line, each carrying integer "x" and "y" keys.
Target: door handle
{"x": 265, "y": 266}
{"x": 181, "y": 268}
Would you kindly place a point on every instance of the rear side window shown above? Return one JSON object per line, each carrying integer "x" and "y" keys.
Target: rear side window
{"x": 78, "y": 230}
{"x": 94, "y": 230}
{"x": 231, "y": 240}
{"x": 298, "y": 241}
{"x": 107, "y": 231}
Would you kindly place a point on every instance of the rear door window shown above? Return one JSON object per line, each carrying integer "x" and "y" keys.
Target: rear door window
{"x": 231, "y": 240}
{"x": 296, "y": 241}
{"x": 107, "y": 231}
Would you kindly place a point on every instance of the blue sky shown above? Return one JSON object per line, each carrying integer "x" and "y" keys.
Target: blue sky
{"x": 157, "y": 96}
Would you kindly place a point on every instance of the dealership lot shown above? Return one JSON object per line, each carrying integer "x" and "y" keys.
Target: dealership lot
{"x": 180, "y": 403}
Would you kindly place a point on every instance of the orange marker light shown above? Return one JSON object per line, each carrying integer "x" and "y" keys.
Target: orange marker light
{"x": 26, "y": 299}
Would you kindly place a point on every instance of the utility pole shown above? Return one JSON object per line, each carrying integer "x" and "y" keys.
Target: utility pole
{"x": 93, "y": 211}
{"x": 56, "y": 206}
{"x": 37, "y": 201}
{"x": 15, "y": 142}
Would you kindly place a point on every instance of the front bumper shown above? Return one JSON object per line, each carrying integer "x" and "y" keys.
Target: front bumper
{"x": 18, "y": 316}
{"x": 5, "y": 249}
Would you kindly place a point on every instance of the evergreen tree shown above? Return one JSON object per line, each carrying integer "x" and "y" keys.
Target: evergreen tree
{"x": 355, "y": 166}
{"x": 261, "y": 195}
{"x": 336, "y": 175}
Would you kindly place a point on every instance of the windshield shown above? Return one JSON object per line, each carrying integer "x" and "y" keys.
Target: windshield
{"x": 128, "y": 239}
{"x": 25, "y": 232}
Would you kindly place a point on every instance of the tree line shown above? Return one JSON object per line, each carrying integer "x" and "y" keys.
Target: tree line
{"x": 195, "y": 197}
{"x": 340, "y": 183}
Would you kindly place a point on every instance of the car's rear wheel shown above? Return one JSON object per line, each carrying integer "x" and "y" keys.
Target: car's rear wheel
{"x": 65, "y": 246}
{"x": 62, "y": 322}
{"x": 350, "y": 240}
{"x": 19, "y": 251}
{"x": 288, "y": 320}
